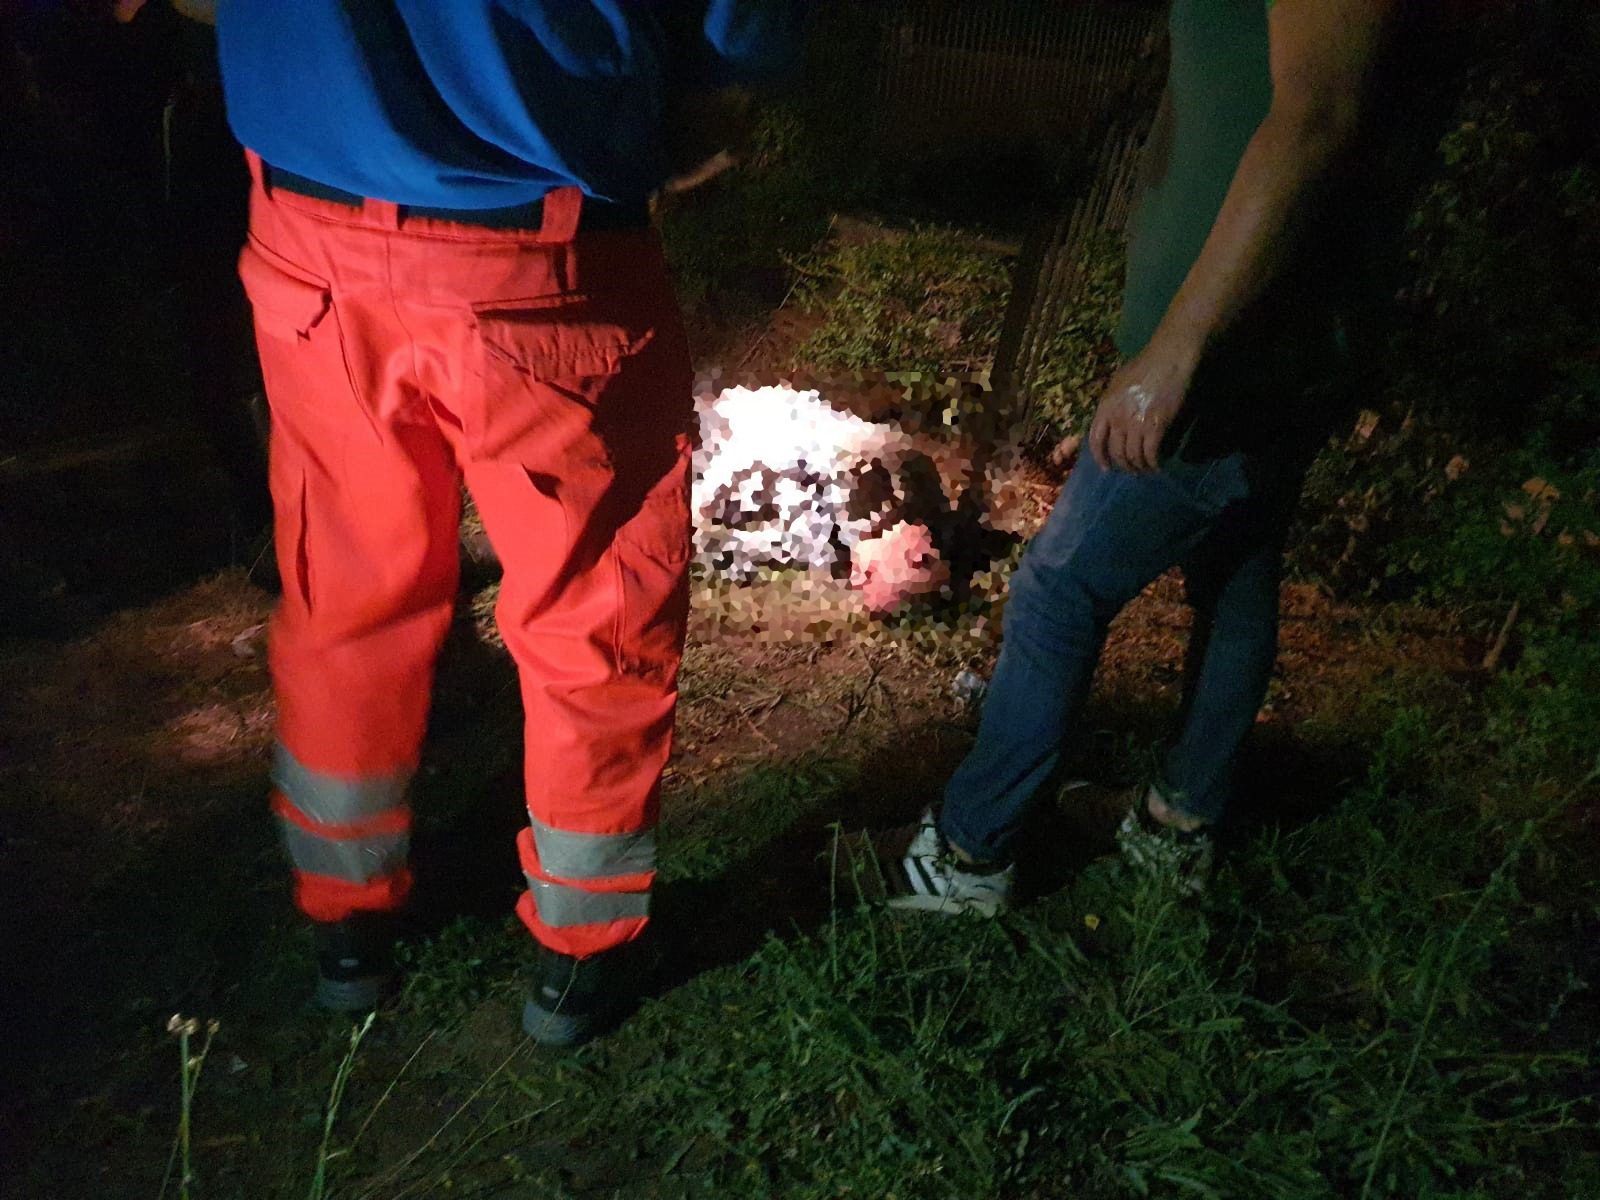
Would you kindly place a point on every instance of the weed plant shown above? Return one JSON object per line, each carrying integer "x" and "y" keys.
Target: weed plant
{"x": 1113, "y": 1041}
{"x": 326, "y": 1153}
{"x": 190, "y": 1063}
{"x": 925, "y": 300}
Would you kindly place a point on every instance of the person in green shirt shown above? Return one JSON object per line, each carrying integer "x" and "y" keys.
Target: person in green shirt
{"x": 1200, "y": 442}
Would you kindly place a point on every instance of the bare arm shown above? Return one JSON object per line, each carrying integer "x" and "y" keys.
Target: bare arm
{"x": 1321, "y": 51}
{"x": 204, "y": 11}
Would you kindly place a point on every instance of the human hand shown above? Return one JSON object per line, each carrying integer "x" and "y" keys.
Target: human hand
{"x": 719, "y": 162}
{"x": 204, "y": 11}
{"x": 706, "y": 132}
{"x": 1140, "y": 403}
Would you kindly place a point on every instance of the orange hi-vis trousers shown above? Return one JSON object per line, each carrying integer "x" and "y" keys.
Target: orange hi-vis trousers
{"x": 549, "y": 371}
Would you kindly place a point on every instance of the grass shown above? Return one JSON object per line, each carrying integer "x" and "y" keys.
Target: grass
{"x": 735, "y": 820}
{"x": 183, "y": 1030}
{"x": 1390, "y": 991}
{"x": 1078, "y": 356}
{"x": 1351, "y": 1012}
{"x": 341, "y": 1079}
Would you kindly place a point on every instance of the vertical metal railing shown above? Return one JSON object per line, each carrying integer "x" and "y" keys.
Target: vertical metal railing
{"x": 1002, "y": 70}
{"x": 1050, "y": 275}
{"x": 1071, "y": 83}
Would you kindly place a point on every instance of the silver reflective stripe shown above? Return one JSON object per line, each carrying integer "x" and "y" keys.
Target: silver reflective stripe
{"x": 593, "y": 855}
{"x": 332, "y": 799}
{"x": 560, "y": 905}
{"x": 354, "y": 860}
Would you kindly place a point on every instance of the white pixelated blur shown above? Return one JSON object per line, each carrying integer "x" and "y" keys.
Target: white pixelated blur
{"x": 785, "y": 480}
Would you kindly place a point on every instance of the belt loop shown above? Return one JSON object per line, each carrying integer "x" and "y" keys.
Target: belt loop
{"x": 386, "y": 211}
{"x": 258, "y": 173}
{"x": 562, "y": 208}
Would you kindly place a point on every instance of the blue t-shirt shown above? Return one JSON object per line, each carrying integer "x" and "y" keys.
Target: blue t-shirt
{"x": 482, "y": 103}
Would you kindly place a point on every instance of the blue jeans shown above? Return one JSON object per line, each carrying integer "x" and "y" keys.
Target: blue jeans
{"x": 1110, "y": 534}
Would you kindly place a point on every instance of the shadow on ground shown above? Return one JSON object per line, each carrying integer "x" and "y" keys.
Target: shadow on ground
{"x": 141, "y": 874}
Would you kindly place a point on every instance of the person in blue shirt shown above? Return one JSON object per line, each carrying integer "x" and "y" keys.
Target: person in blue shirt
{"x": 476, "y": 104}
{"x": 454, "y": 279}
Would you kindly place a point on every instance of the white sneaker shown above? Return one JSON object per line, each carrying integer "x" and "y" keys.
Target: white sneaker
{"x": 1184, "y": 857}
{"x": 928, "y": 877}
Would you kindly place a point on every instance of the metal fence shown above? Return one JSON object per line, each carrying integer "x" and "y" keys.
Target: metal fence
{"x": 1029, "y": 73}
{"x": 1071, "y": 84}
{"x": 1050, "y": 274}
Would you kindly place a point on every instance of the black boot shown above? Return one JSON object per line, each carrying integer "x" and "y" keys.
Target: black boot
{"x": 574, "y": 1000}
{"x": 355, "y": 961}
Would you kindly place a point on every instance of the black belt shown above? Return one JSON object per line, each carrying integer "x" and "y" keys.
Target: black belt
{"x": 595, "y": 214}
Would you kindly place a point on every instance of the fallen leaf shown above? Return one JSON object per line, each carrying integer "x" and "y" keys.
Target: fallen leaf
{"x": 246, "y": 642}
{"x": 1456, "y": 468}
{"x": 1541, "y": 490}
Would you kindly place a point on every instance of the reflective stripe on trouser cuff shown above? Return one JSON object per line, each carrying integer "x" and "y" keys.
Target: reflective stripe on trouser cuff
{"x": 354, "y": 860}
{"x": 561, "y": 905}
{"x": 336, "y": 799}
{"x": 572, "y": 855}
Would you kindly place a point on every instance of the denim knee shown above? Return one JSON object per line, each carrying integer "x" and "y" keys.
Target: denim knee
{"x": 1048, "y": 616}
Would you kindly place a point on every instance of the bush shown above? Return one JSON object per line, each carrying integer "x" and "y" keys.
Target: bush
{"x": 926, "y": 300}
{"x": 1490, "y": 362}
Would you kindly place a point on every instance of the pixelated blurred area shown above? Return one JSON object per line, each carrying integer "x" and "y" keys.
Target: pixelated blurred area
{"x": 854, "y": 504}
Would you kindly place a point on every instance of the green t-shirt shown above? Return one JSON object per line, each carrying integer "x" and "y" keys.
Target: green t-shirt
{"x": 1295, "y": 362}
{"x": 1317, "y": 321}
{"x": 1219, "y": 88}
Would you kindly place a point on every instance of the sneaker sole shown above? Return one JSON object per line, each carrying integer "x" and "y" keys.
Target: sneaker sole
{"x": 945, "y": 905}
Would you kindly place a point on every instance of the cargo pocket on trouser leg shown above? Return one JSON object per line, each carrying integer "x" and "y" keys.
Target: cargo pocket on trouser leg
{"x": 289, "y": 535}
{"x": 652, "y": 562}
{"x": 589, "y": 888}
{"x": 308, "y": 388}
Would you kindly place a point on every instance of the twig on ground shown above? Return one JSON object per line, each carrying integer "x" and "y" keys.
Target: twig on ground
{"x": 762, "y": 708}
{"x": 1491, "y": 660}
